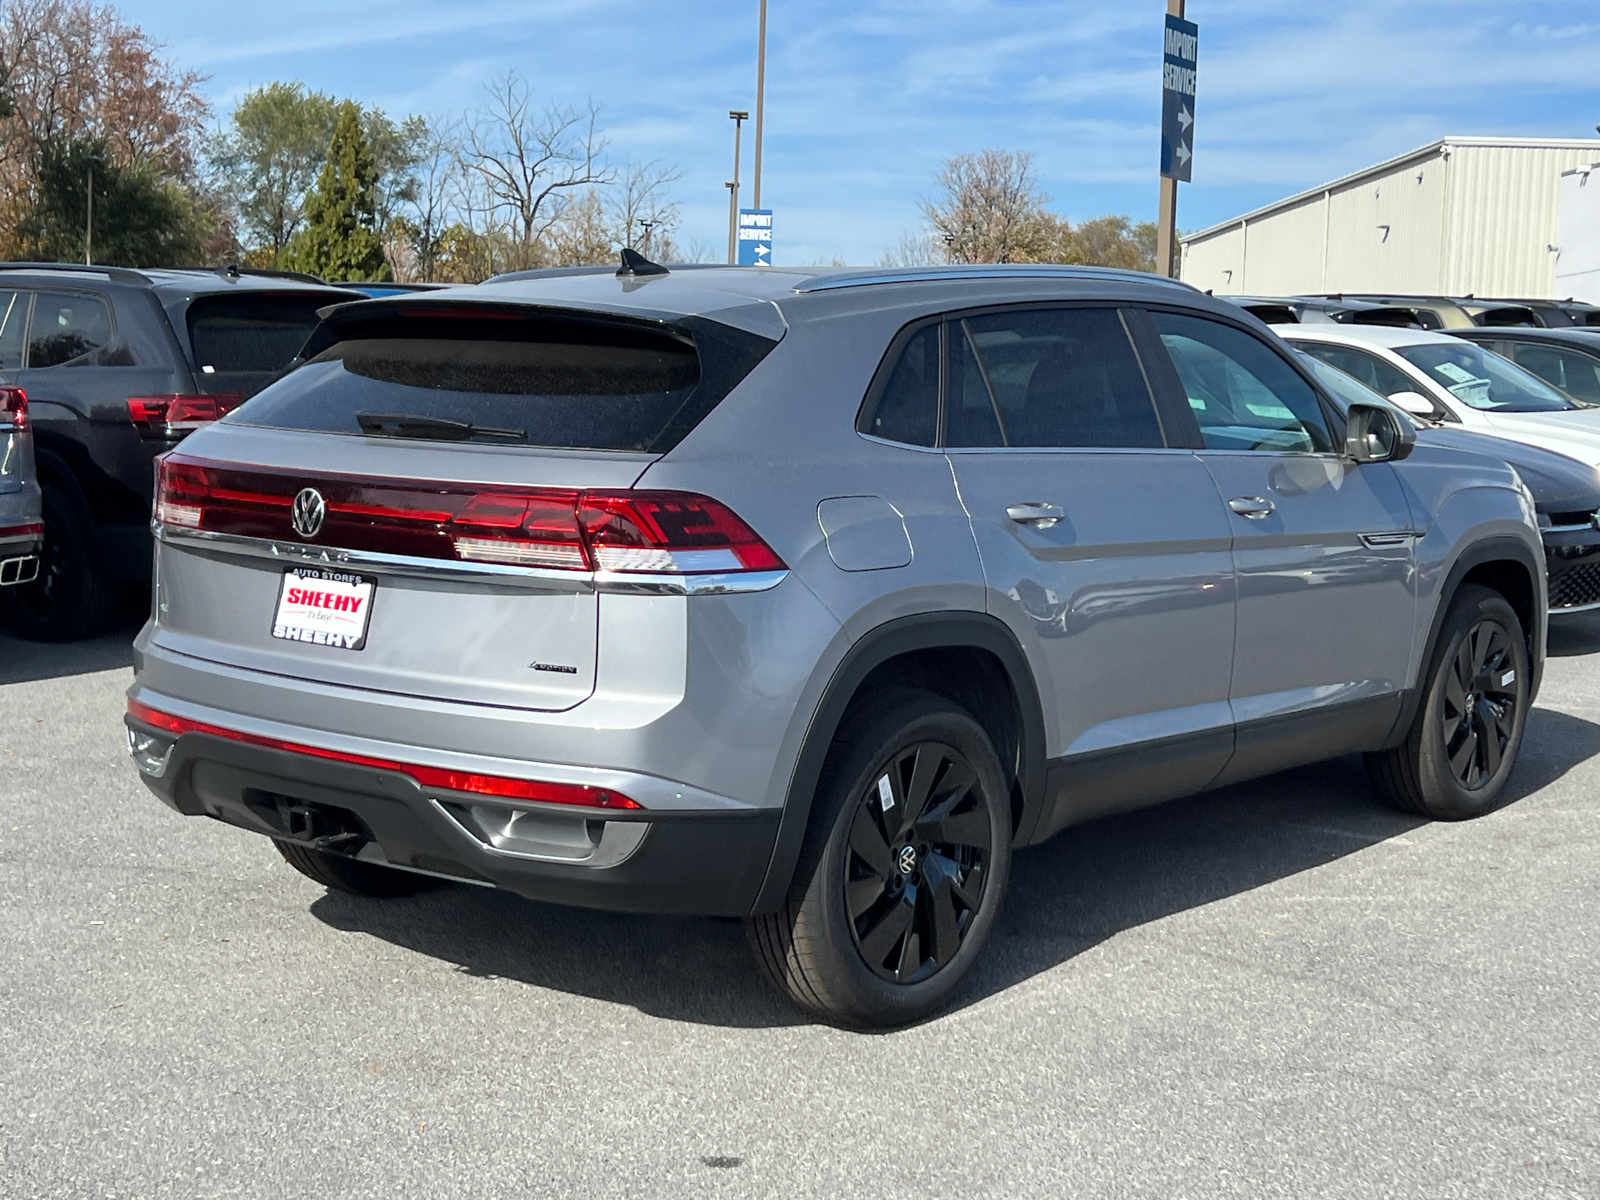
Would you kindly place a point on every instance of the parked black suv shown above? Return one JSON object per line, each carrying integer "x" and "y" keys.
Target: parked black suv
{"x": 118, "y": 366}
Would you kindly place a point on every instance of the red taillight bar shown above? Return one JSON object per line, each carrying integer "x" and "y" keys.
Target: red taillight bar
{"x": 563, "y": 529}
{"x": 176, "y": 411}
{"x": 429, "y": 777}
{"x": 13, "y": 407}
{"x": 11, "y": 531}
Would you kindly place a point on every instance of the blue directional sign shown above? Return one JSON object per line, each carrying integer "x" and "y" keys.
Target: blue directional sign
{"x": 755, "y": 237}
{"x": 1177, "y": 98}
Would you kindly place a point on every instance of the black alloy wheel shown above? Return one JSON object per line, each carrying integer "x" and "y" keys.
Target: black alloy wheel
{"x": 1481, "y": 699}
{"x": 1462, "y": 744}
{"x": 919, "y": 852}
{"x": 903, "y": 868}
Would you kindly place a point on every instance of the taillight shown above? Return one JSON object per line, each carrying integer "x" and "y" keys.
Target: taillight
{"x": 13, "y": 407}
{"x": 675, "y": 533}
{"x": 163, "y": 416}
{"x": 501, "y": 786}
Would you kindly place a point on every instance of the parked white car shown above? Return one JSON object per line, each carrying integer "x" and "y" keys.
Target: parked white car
{"x": 1443, "y": 378}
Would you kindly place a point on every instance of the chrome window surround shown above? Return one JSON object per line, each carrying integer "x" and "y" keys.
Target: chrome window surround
{"x": 533, "y": 578}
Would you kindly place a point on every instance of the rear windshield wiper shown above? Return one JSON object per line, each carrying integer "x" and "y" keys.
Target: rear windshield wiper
{"x": 433, "y": 429}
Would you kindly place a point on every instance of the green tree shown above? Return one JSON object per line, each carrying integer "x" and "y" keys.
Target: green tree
{"x": 269, "y": 156}
{"x": 339, "y": 240}
{"x": 140, "y": 219}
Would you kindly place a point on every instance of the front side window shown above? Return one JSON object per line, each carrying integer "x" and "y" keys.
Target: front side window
{"x": 1483, "y": 380}
{"x": 1244, "y": 396}
{"x": 67, "y": 326}
{"x": 1048, "y": 378}
{"x": 1371, "y": 370}
{"x": 1575, "y": 373}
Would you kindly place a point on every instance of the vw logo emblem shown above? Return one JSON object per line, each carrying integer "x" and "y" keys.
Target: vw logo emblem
{"x": 906, "y": 860}
{"x": 308, "y": 511}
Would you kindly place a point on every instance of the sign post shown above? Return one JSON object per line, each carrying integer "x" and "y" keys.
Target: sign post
{"x": 1180, "y": 58}
{"x": 755, "y": 237}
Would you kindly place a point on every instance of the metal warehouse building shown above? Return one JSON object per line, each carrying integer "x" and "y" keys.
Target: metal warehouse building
{"x": 1466, "y": 215}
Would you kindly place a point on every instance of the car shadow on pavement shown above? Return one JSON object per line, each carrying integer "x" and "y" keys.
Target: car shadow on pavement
{"x": 22, "y": 661}
{"x": 1065, "y": 897}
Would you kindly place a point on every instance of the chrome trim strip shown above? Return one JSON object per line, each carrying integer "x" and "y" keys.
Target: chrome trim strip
{"x": 1586, "y": 527}
{"x": 533, "y": 578}
{"x": 1574, "y": 608}
{"x": 1380, "y": 541}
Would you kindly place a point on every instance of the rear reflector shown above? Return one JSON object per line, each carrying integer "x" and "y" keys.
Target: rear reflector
{"x": 560, "y": 529}
{"x": 30, "y": 530}
{"x": 165, "y": 415}
{"x": 428, "y": 777}
{"x": 13, "y": 407}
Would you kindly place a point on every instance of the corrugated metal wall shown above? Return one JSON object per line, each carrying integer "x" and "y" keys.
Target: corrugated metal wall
{"x": 1453, "y": 219}
{"x": 1501, "y": 218}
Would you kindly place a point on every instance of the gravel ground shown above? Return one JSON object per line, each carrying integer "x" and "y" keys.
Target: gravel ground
{"x": 1281, "y": 989}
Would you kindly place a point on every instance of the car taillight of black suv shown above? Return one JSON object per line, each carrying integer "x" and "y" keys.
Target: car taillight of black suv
{"x": 119, "y": 366}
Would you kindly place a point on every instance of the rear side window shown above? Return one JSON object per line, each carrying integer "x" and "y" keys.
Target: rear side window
{"x": 13, "y": 320}
{"x": 1059, "y": 378}
{"x": 1244, "y": 396}
{"x": 1371, "y": 370}
{"x": 569, "y": 384}
{"x": 907, "y": 407}
{"x": 67, "y": 327}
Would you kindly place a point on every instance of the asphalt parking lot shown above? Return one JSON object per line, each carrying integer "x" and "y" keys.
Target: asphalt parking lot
{"x": 1281, "y": 989}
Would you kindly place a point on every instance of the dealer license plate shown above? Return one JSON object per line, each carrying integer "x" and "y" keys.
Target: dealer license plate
{"x": 324, "y": 608}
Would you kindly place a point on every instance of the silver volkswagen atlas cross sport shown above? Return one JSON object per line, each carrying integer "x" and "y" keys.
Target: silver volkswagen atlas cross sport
{"x": 807, "y": 596}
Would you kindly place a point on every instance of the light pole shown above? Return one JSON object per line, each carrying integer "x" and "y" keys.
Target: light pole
{"x": 647, "y": 226}
{"x": 88, "y": 224}
{"x": 761, "y": 92}
{"x": 739, "y": 117}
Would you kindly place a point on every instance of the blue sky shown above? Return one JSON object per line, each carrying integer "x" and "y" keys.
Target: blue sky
{"x": 865, "y": 99}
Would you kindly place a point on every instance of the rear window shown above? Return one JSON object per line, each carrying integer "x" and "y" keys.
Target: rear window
{"x": 568, "y": 384}
{"x": 250, "y": 337}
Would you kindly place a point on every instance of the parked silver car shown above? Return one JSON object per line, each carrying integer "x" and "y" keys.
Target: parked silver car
{"x": 21, "y": 525}
{"x": 807, "y": 595}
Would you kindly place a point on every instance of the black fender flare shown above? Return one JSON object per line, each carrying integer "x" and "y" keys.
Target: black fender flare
{"x": 924, "y": 631}
{"x": 1494, "y": 549}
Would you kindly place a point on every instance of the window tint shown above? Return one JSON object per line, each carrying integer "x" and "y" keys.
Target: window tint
{"x": 1575, "y": 373}
{"x": 1369, "y": 369}
{"x": 66, "y": 326}
{"x": 908, "y": 407}
{"x": 251, "y": 334}
{"x": 1483, "y": 380}
{"x": 1048, "y": 378}
{"x": 1244, "y": 396}
{"x": 13, "y": 319}
{"x": 567, "y": 384}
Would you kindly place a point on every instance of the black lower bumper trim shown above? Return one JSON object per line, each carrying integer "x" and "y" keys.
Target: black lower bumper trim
{"x": 703, "y": 863}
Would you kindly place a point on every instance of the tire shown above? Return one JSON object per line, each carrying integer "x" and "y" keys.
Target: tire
{"x": 71, "y": 599}
{"x": 349, "y": 875}
{"x": 1464, "y": 740}
{"x": 888, "y": 910}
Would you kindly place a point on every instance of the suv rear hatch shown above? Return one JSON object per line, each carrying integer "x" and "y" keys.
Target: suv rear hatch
{"x": 430, "y": 502}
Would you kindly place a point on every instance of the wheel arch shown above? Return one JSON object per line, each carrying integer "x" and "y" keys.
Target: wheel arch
{"x": 971, "y": 659}
{"x": 1508, "y": 566}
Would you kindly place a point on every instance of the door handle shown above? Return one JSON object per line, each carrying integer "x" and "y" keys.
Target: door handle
{"x": 1252, "y": 508}
{"x": 1040, "y": 516}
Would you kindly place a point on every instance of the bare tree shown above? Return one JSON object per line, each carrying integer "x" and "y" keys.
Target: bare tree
{"x": 529, "y": 159}
{"x": 641, "y": 212}
{"x": 993, "y": 210}
{"x": 436, "y": 185}
{"x": 916, "y": 248}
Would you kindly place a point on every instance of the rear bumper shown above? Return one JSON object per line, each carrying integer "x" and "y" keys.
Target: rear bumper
{"x": 19, "y": 553}
{"x": 709, "y": 861}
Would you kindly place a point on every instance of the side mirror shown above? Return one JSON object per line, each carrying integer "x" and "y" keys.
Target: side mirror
{"x": 1414, "y": 403}
{"x": 1374, "y": 434}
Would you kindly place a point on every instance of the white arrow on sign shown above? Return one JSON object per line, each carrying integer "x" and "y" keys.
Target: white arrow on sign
{"x": 1185, "y": 118}
{"x": 761, "y": 255}
{"x": 1182, "y": 154}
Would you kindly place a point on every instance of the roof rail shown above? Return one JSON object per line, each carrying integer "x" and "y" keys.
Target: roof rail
{"x": 822, "y": 283}
{"x": 119, "y": 274}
